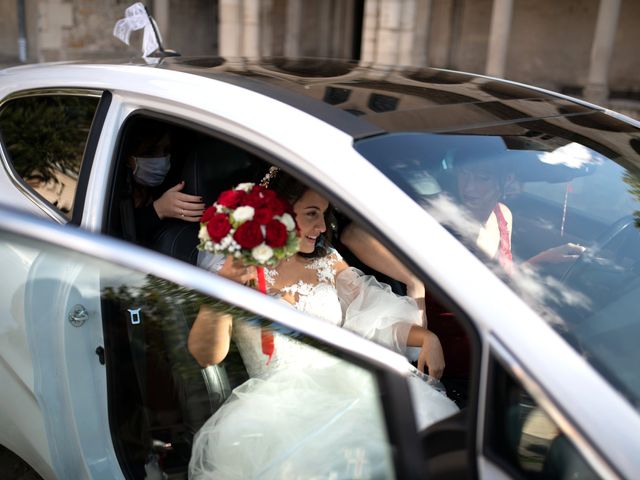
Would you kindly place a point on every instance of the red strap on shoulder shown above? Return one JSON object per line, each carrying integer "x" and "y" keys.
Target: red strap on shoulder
{"x": 504, "y": 254}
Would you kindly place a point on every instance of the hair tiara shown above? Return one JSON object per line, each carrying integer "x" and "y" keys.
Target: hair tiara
{"x": 273, "y": 171}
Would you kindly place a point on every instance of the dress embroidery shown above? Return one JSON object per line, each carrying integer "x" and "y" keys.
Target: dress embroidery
{"x": 324, "y": 268}
{"x": 270, "y": 275}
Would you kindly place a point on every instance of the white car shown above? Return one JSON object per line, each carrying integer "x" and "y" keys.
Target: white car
{"x": 539, "y": 324}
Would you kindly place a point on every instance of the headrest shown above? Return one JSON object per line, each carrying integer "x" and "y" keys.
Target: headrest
{"x": 209, "y": 167}
{"x": 212, "y": 166}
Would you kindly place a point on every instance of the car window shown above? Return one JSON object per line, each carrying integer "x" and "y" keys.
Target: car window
{"x": 169, "y": 414}
{"x": 524, "y": 439}
{"x": 172, "y": 414}
{"x": 553, "y": 212}
{"x": 44, "y": 137}
{"x": 194, "y": 158}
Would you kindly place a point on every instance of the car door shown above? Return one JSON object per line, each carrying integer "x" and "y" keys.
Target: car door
{"x": 103, "y": 320}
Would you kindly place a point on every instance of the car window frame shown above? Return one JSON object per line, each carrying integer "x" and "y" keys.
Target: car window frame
{"x": 94, "y": 135}
{"x": 500, "y": 354}
{"x": 288, "y": 164}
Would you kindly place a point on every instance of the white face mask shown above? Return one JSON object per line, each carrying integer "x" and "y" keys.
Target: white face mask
{"x": 150, "y": 171}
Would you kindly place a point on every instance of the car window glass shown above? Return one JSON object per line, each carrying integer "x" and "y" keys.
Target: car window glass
{"x": 237, "y": 415}
{"x": 44, "y": 138}
{"x": 248, "y": 413}
{"x": 522, "y": 436}
{"x": 552, "y": 211}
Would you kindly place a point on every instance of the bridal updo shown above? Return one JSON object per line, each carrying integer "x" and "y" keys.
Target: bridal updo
{"x": 291, "y": 189}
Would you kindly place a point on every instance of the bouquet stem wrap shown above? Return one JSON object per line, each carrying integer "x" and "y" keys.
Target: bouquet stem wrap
{"x": 266, "y": 337}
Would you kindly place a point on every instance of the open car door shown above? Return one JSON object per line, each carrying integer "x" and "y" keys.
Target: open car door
{"x": 114, "y": 386}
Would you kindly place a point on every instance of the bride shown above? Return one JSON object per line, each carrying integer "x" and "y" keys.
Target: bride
{"x": 303, "y": 399}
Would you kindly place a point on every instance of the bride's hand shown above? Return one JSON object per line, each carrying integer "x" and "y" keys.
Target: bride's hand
{"x": 237, "y": 271}
{"x": 431, "y": 355}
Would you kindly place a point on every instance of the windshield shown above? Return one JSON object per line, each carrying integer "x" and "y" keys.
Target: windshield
{"x": 554, "y": 213}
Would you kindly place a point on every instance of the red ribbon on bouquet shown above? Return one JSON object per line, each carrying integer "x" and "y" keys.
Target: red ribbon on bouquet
{"x": 266, "y": 336}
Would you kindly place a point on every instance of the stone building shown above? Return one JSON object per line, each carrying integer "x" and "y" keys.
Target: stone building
{"x": 581, "y": 47}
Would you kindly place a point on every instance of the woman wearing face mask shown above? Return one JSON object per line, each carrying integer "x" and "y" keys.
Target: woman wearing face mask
{"x": 150, "y": 161}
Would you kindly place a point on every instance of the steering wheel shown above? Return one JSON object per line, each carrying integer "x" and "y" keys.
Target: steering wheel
{"x": 591, "y": 255}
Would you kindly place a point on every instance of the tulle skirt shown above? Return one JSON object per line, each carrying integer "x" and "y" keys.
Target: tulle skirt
{"x": 303, "y": 423}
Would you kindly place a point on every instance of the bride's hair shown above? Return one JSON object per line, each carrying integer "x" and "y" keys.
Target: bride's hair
{"x": 292, "y": 190}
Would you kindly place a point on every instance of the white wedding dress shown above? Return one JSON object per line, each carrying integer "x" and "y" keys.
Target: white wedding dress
{"x": 307, "y": 414}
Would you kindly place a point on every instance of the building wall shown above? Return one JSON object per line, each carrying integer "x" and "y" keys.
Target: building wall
{"x": 540, "y": 34}
{"x": 550, "y": 42}
{"x": 193, "y": 27}
{"x": 470, "y": 49}
{"x": 8, "y": 31}
{"x": 76, "y": 29}
{"x": 625, "y": 64}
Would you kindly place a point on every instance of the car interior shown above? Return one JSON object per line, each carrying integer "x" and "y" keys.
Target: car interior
{"x": 168, "y": 395}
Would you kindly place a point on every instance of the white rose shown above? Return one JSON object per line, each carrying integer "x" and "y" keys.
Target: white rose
{"x": 203, "y": 234}
{"x": 247, "y": 186}
{"x": 288, "y": 221}
{"x": 226, "y": 241}
{"x": 262, "y": 253}
{"x": 242, "y": 214}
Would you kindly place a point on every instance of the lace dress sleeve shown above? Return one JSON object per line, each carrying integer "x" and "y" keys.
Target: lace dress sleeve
{"x": 373, "y": 310}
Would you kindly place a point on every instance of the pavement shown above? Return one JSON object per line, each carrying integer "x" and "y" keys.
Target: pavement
{"x": 13, "y": 468}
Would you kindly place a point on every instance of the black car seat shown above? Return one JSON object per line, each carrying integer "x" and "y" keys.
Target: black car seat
{"x": 209, "y": 167}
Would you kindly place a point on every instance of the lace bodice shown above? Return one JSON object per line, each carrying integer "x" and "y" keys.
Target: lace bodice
{"x": 346, "y": 297}
{"x": 315, "y": 295}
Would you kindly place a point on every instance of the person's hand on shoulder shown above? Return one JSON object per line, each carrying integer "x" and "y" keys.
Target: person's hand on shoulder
{"x": 175, "y": 204}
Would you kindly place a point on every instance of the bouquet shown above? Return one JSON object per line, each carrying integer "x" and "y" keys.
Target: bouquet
{"x": 250, "y": 223}
{"x": 255, "y": 225}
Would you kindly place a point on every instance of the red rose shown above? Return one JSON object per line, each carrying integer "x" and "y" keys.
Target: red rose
{"x": 269, "y": 196}
{"x": 279, "y": 206}
{"x": 254, "y": 199}
{"x": 231, "y": 198}
{"x": 208, "y": 213}
{"x": 249, "y": 234}
{"x": 263, "y": 215}
{"x": 218, "y": 226}
{"x": 276, "y": 234}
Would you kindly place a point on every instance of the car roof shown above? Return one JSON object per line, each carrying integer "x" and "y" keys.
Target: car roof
{"x": 364, "y": 100}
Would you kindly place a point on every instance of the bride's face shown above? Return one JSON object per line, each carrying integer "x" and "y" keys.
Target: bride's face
{"x": 309, "y": 211}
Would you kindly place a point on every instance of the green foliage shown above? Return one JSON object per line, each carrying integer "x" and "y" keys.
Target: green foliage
{"x": 45, "y": 135}
{"x": 633, "y": 180}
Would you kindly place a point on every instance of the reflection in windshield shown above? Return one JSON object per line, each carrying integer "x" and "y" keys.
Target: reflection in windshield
{"x": 543, "y": 292}
{"x": 573, "y": 155}
{"x": 554, "y": 214}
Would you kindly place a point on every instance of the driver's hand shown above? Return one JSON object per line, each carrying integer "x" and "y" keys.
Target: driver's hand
{"x": 568, "y": 252}
{"x": 565, "y": 253}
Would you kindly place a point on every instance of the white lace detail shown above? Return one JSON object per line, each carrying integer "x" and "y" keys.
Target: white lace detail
{"x": 270, "y": 275}
{"x": 299, "y": 288}
{"x": 324, "y": 267}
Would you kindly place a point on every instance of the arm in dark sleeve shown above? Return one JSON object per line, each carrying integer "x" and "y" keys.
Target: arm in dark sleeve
{"x": 147, "y": 223}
